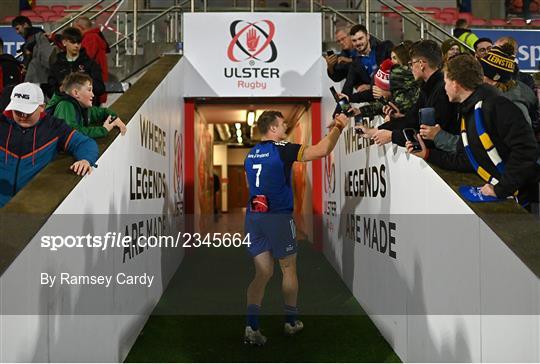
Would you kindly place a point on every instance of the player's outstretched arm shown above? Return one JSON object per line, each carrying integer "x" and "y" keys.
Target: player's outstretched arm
{"x": 327, "y": 144}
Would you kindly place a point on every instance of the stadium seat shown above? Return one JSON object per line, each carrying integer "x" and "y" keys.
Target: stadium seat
{"x": 40, "y": 8}
{"x": 47, "y": 15}
{"x": 434, "y": 10}
{"x": 498, "y": 22}
{"x": 36, "y": 19}
{"x": 467, "y": 16}
{"x": 8, "y": 19}
{"x": 58, "y": 8}
{"x": 453, "y": 11}
{"x": 28, "y": 13}
{"x": 478, "y": 21}
{"x": 55, "y": 18}
{"x": 75, "y": 7}
{"x": 446, "y": 18}
{"x": 517, "y": 22}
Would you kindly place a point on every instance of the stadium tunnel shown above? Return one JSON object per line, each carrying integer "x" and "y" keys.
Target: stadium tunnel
{"x": 397, "y": 265}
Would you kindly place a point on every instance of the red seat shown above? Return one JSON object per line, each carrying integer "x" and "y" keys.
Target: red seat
{"x": 450, "y": 11}
{"x": 478, "y": 21}
{"x": 55, "y": 18}
{"x": 40, "y": 8}
{"x": 75, "y": 7}
{"x": 28, "y": 13}
{"x": 435, "y": 11}
{"x": 47, "y": 15}
{"x": 8, "y": 19}
{"x": 517, "y": 22}
{"x": 446, "y": 18}
{"x": 36, "y": 19}
{"x": 58, "y": 8}
{"x": 467, "y": 16}
{"x": 498, "y": 22}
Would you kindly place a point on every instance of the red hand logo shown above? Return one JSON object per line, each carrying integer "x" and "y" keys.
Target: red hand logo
{"x": 252, "y": 40}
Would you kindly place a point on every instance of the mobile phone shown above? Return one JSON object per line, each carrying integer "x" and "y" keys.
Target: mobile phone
{"x": 342, "y": 102}
{"x": 358, "y": 122}
{"x": 383, "y": 101}
{"x": 410, "y": 135}
{"x": 113, "y": 118}
{"x": 330, "y": 52}
{"x": 426, "y": 116}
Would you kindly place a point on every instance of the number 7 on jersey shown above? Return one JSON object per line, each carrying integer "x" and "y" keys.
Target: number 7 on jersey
{"x": 258, "y": 167}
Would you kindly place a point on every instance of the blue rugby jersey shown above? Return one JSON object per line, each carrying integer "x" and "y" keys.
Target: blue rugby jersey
{"x": 268, "y": 169}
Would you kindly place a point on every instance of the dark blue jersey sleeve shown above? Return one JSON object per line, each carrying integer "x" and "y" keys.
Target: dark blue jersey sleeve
{"x": 290, "y": 152}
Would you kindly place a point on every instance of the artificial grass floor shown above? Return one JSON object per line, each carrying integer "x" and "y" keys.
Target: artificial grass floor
{"x": 200, "y": 317}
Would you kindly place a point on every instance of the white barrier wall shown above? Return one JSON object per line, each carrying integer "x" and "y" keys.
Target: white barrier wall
{"x": 136, "y": 190}
{"x": 437, "y": 282}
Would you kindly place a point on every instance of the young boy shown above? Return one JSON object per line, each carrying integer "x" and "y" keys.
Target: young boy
{"x": 74, "y": 105}
{"x": 74, "y": 59}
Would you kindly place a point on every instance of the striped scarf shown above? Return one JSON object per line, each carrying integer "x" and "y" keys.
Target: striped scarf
{"x": 487, "y": 143}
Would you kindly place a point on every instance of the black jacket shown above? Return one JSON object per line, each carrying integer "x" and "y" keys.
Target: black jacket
{"x": 357, "y": 73}
{"x": 11, "y": 70}
{"x": 432, "y": 94}
{"x": 511, "y": 134}
{"x": 61, "y": 68}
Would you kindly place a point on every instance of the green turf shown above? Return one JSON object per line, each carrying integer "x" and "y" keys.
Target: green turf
{"x": 200, "y": 316}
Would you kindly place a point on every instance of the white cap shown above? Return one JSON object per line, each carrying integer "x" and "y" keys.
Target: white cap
{"x": 26, "y": 97}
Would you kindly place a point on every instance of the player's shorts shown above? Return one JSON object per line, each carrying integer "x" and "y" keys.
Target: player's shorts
{"x": 275, "y": 233}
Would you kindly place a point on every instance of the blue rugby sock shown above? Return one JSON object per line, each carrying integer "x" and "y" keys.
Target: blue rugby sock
{"x": 253, "y": 312}
{"x": 291, "y": 314}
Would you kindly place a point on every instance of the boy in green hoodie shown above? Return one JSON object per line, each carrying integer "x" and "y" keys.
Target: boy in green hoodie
{"x": 74, "y": 105}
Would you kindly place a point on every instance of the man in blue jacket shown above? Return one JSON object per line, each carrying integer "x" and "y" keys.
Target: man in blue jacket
{"x": 31, "y": 138}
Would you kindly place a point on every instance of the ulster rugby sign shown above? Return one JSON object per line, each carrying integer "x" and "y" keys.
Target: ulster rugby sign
{"x": 253, "y": 54}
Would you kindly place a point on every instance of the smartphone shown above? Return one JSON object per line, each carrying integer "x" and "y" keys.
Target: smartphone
{"x": 383, "y": 101}
{"x": 342, "y": 102}
{"x": 358, "y": 122}
{"x": 410, "y": 135}
{"x": 113, "y": 118}
{"x": 426, "y": 116}
{"x": 330, "y": 53}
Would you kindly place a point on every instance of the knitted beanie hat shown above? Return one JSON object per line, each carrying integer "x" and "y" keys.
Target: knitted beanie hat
{"x": 382, "y": 77}
{"x": 447, "y": 44}
{"x": 499, "y": 63}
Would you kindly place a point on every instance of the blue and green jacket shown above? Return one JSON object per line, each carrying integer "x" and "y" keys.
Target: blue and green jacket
{"x": 24, "y": 152}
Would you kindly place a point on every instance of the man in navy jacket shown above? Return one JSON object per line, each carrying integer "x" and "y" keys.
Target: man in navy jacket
{"x": 31, "y": 138}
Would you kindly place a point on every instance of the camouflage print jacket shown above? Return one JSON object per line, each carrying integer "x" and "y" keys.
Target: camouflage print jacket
{"x": 404, "y": 89}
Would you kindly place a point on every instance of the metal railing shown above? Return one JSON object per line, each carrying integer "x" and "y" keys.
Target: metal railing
{"x": 361, "y": 13}
{"x": 409, "y": 15}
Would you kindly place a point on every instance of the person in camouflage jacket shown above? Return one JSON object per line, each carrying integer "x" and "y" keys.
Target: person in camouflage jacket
{"x": 404, "y": 90}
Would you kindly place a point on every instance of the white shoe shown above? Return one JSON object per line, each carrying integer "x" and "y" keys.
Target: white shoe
{"x": 290, "y": 330}
{"x": 254, "y": 337}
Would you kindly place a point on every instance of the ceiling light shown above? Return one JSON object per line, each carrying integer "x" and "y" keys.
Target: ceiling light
{"x": 240, "y": 140}
{"x": 237, "y": 125}
{"x": 238, "y": 133}
{"x": 250, "y": 118}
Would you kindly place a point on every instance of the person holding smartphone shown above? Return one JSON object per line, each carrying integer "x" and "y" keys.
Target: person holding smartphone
{"x": 425, "y": 64}
{"x": 496, "y": 141}
{"x": 337, "y": 65}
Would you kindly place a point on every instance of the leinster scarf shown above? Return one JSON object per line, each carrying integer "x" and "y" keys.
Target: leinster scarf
{"x": 487, "y": 143}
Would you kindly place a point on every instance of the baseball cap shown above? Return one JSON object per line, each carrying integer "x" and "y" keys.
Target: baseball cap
{"x": 26, "y": 97}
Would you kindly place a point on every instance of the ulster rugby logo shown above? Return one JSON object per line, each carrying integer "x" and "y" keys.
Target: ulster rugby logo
{"x": 252, "y": 41}
{"x": 329, "y": 174}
